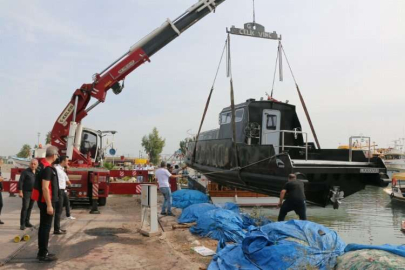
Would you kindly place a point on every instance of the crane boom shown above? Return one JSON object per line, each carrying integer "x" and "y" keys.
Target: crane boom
{"x": 66, "y": 129}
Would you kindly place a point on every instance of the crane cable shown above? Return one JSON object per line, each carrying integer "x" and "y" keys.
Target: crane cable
{"x": 232, "y": 105}
{"x": 301, "y": 99}
{"x": 208, "y": 101}
{"x": 274, "y": 75}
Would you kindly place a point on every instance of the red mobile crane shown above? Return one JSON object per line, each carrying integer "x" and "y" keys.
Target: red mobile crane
{"x": 83, "y": 145}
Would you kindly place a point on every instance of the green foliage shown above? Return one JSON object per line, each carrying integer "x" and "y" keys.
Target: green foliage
{"x": 48, "y": 137}
{"x": 153, "y": 145}
{"x": 25, "y": 151}
{"x": 183, "y": 145}
{"x": 108, "y": 165}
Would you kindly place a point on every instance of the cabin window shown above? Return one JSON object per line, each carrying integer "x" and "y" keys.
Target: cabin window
{"x": 227, "y": 116}
{"x": 89, "y": 144}
{"x": 271, "y": 122}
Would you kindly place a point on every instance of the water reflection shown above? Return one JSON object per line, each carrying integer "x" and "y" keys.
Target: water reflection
{"x": 367, "y": 217}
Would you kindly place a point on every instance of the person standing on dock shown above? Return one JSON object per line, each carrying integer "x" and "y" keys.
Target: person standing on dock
{"x": 294, "y": 195}
{"x": 162, "y": 175}
{"x": 46, "y": 193}
{"x": 151, "y": 172}
{"x": 60, "y": 165}
{"x": 25, "y": 185}
{"x": 1, "y": 189}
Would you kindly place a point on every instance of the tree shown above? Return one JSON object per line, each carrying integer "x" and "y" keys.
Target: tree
{"x": 25, "y": 151}
{"x": 48, "y": 137}
{"x": 183, "y": 145}
{"x": 153, "y": 145}
{"x": 108, "y": 165}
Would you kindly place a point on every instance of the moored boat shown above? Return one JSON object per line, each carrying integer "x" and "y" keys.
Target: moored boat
{"x": 397, "y": 189}
{"x": 270, "y": 144}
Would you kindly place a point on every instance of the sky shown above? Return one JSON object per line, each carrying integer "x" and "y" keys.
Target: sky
{"x": 347, "y": 57}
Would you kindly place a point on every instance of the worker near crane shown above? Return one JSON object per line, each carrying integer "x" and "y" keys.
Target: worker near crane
{"x": 60, "y": 165}
{"x": 162, "y": 175}
{"x": 293, "y": 193}
{"x": 1, "y": 189}
{"x": 25, "y": 186}
{"x": 46, "y": 193}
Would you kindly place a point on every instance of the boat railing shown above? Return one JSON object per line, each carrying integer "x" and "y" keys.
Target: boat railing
{"x": 295, "y": 132}
{"x": 351, "y": 146}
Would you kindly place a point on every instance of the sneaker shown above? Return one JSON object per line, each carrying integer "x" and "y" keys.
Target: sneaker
{"x": 60, "y": 232}
{"x": 70, "y": 217}
{"x": 29, "y": 225}
{"x": 47, "y": 258}
{"x": 163, "y": 213}
{"x": 171, "y": 214}
{"x": 47, "y": 255}
{"x": 1, "y": 222}
{"x": 22, "y": 227}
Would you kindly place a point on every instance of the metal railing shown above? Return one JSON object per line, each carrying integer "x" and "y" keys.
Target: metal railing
{"x": 283, "y": 146}
{"x": 361, "y": 148}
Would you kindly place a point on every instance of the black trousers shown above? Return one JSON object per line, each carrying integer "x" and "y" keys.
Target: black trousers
{"x": 299, "y": 208}
{"x": 66, "y": 203}
{"x": 1, "y": 202}
{"x": 27, "y": 205}
{"x": 45, "y": 224}
{"x": 59, "y": 210}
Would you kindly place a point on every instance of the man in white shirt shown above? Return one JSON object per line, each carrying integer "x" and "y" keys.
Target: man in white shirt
{"x": 60, "y": 164}
{"x": 162, "y": 176}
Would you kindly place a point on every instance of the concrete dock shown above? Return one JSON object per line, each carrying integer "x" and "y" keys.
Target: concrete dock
{"x": 109, "y": 240}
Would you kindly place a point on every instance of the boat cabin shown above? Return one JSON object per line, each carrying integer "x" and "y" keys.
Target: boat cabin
{"x": 262, "y": 123}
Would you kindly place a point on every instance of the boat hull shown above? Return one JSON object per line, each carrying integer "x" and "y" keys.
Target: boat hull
{"x": 260, "y": 170}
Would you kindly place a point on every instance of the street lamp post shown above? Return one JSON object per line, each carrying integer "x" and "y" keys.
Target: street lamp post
{"x": 39, "y": 134}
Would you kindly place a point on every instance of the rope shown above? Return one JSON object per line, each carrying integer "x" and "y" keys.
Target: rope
{"x": 244, "y": 167}
{"x": 232, "y": 102}
{"x": 302, "y": 100}
{"x": 274, "y": 75}
{"x": 208, "y": 101}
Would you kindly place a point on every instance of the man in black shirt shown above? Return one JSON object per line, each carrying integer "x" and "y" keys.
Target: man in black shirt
{"x": 293, "y": 192}
{"x": 25, "y": 185}
{"x": 46, "y": 190}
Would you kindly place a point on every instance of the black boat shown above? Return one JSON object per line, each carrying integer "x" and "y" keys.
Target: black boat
{"x": 270, "y": 145}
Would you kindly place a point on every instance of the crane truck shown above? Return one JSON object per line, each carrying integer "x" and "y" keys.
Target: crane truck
{"x": 82, "y": 145}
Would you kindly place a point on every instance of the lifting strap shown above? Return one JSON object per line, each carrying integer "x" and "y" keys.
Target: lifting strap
{"x": 207, "y": 104}
{"x": 302, "y": 101}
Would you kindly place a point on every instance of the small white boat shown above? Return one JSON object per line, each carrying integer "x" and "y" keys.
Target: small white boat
{"x": 397, "y": 189}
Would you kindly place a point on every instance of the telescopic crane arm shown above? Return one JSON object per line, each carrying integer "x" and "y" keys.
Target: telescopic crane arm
{"x": 64, "y": 133}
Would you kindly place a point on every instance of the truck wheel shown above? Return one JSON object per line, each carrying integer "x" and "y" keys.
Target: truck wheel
{"x": 102, "y": 201}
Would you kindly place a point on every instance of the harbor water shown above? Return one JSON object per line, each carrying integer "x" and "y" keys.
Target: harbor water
{"x": 367, "y": 217}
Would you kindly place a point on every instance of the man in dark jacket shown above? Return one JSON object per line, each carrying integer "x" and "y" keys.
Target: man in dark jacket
{"x": 46, "y": 193}
{"x": 25, "y": 185}
{"x": 293, "y": 193}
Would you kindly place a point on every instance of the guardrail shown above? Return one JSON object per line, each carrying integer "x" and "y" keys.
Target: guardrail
{"x": 295, "y": 132}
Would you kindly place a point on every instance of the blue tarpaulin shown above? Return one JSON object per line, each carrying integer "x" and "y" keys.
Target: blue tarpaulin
{"x": 186, "y": 197}
{"x": 282, "y": 245}
{"x": 229, "y": 206}
{"x": 398, "y": 250}
{"x": 191, "y": 213}
{"x": 248, "y": 220}
{"x": 220, "y": 224}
